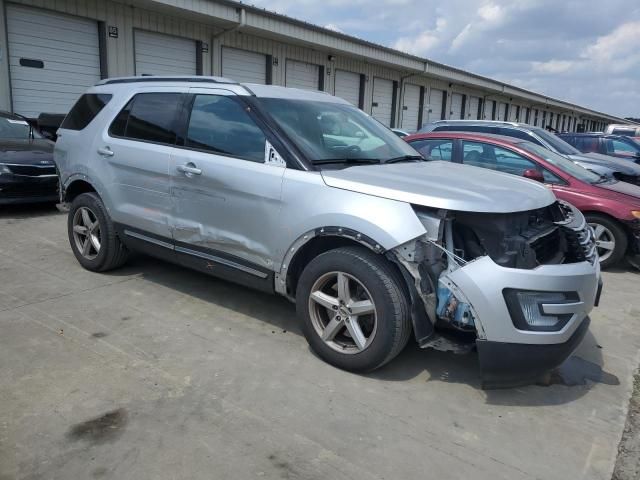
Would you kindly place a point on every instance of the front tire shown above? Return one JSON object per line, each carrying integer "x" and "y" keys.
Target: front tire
{"x": 92, "y": 235}
{"x": 354, "y": 309}
{"x": 611, "y": 239}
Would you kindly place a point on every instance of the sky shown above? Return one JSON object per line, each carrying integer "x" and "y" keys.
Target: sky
{"x": 583, "y": 51}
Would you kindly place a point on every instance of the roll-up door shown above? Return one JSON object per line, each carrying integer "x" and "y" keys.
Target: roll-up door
{"x": 244, "y": 66}
{"x": 302, "y": 75}
{"x": 513, "y": 113}
{"x": 502, "y": 111}
{"x": 382, "y": 106}
{"x": 455, "y": 112}
{"x": 53, "y": 59}
{"x": 160, "y": 54}
{"x": 474, "y": 105}
{"x": 410, "y": 107}
{"x": 436, "y": 99}
{"x": 347, "y": 86}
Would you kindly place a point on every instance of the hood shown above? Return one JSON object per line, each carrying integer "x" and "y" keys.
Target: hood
{"x": 624, "y": 188}
{"x": 626, "y": 167}
{"x": 27, "y": 152}
{"x": 450, "y": 186}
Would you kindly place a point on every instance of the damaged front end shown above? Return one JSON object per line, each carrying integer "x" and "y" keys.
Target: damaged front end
{"x": 518, "y": 286}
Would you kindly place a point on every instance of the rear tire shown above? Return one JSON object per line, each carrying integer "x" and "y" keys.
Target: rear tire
{"x": 354, "y": 309}
{"x": 611, "y": 239}
{"x": 92, "y": 235}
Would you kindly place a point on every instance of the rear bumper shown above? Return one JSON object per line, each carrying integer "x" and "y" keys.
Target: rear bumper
{"x": 505, "y": 365}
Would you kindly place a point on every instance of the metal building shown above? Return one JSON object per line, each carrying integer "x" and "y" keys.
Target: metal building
{"x": 52, "y": 50}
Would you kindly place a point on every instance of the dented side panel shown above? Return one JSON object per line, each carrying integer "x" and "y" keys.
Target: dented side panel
{"x": 230, "y": 207}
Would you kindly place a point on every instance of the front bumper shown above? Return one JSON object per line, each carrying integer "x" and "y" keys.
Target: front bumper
{"x": 510, "y": 353}
{"x": 516, "y": 364}
{"x": 16, "y": 189}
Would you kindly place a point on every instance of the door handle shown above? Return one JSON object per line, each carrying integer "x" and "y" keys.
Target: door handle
{"x": 189, "y": 169}
{"x": 105, "y": 152}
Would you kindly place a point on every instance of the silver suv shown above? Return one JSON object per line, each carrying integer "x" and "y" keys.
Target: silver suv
{"x": 301, "y": 194}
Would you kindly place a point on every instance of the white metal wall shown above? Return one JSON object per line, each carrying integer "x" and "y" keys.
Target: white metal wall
{"x": 474, "y": 104}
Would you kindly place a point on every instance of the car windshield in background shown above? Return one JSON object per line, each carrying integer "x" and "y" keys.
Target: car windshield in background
{"x": 15, "y": 128}
{"x": 333, "y": 132}
{"x": 557, "y": 143}
{"x": 562, "y": 163}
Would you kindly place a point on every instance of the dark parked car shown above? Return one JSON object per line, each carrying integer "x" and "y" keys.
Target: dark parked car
{"x": 596, "y": 162}
{"x": 27, "y": 170}
{"x": 620, "y": 146}
{"x": 611, "y": 207}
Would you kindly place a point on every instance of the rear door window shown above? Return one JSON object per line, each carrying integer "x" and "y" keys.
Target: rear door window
{"x": 502, "y": 160}
{"x": 85, "y": 110}
{"x": 149, "y": 117}
{"x": 434, "y": 149}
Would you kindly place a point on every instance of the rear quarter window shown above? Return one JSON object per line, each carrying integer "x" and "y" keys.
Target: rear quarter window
{"x": 85, "y": 110}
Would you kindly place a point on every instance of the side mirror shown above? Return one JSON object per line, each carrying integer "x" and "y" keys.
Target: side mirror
{"x": 533, "y": 174}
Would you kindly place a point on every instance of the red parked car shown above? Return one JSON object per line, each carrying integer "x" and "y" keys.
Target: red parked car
{"x": 610, "y": 206}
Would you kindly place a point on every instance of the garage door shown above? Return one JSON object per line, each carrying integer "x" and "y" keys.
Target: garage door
{"x": 455, "y": 111}
{"x": 513, "y": 113}
{"x": 347, "y": 86}
{"x": 244, "y": 66}
{"x": 382, "y": 105}
{"x": 53, "y": 59}
{"x": 474, "y": 104}
{"x": 302, "y": 75}
{"x": 502, "y": 111}
{"x": 159, "y": 54}
{"x": 435, "y": 105}
{"x": 410, "y": 107}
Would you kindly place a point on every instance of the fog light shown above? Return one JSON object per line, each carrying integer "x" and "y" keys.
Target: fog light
{"x": 541, "y": 311}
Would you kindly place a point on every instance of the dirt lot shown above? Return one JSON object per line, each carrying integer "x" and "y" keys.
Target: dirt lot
{"x": 156, "y": 372}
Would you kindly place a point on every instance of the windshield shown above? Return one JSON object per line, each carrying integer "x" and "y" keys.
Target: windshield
{"x": 562, "y": 163}
{"x": 558, "y": 145}
{"x": 15, "y": 128}
{"x": 327, "y": 132}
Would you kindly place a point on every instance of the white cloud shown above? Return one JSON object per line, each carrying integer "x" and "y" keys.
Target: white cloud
{"x": 491, "y": 12}
{"x": 552, "y": 66}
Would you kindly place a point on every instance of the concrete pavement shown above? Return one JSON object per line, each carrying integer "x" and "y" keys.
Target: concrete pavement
{"x": 157, "y": 372}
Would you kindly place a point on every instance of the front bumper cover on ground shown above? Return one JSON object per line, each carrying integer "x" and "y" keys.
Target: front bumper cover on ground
{"x": 506, "y": 365}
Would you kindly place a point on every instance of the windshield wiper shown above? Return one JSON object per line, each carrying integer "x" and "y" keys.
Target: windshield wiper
{"x": 324, "y": 161}
{"x": 405, "y": 158}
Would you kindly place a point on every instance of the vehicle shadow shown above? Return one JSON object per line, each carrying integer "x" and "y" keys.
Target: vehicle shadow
{"x": 569, "y": 382}
{"x": 30, "y": 210}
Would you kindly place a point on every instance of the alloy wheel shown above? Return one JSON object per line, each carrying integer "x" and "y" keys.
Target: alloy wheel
{"x": 605, "y": 241}
{"x": 86, "y": 233}
{"x": 342, "y": 312}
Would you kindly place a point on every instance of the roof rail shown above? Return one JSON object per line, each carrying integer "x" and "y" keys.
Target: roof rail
{"x": 151, "y": 78}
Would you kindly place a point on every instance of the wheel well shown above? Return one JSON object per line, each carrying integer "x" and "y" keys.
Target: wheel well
{"x": 76, "y": 188}
{"x": 317, "y": 246}
{"x": 308, "y": 252}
